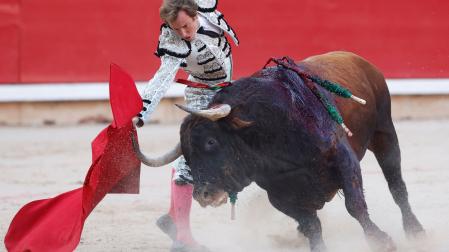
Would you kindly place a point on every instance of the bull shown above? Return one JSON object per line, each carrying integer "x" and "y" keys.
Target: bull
{"x": 271, "y": 129}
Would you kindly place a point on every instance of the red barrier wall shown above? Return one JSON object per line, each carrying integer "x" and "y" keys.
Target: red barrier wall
{"x": 74, "y": 41}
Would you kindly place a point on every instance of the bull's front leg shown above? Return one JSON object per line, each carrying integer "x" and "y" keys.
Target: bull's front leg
{"x": 309, "y": 223}
{"x": 310, "y": 226}
{"x": 349, "y": 169}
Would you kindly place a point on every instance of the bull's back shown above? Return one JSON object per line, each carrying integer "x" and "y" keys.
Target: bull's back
{"x": 364, "y": 80}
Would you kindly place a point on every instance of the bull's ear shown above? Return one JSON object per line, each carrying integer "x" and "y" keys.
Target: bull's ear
{"x": 238, "y": 123}
{"x": 236, "y": 119}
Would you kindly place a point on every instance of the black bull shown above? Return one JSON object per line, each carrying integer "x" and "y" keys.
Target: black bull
{"x": 279, "y": 135}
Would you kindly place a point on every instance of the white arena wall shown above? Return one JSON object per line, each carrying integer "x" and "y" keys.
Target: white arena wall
{"x": 72, "y": 103}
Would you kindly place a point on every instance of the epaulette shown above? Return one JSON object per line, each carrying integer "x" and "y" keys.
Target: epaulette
{"x": 171, "y": 44}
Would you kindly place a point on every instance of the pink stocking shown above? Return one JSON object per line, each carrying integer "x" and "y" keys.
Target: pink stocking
{"x": 180, "y": 204}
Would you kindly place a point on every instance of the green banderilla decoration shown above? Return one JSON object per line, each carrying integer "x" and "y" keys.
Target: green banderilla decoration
{"x": 233, "y": 200}
{"x": 326, "y": 84}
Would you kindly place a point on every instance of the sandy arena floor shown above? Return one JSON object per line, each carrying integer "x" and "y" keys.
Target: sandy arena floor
{"x": 42, "y": 162}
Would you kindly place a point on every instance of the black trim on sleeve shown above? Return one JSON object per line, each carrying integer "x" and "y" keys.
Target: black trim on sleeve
{"x": 210, "y": 79}
{"x": 225, "y": 46}
{"x": 211, "y": 34}
{"x": 206, "y": 61}
{"x": 213, "y": 70}
{"x": 221, "y": 16}
{"x": 202, "y": 48}
{"x": 162, "y": 51}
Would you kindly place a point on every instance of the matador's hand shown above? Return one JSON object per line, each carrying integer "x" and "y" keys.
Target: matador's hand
{"x": 138, "y": 122}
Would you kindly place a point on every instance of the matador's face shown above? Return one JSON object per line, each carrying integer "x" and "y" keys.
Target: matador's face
{"x": 185, "y": 26}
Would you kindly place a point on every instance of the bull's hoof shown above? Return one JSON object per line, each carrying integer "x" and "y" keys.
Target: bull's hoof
{"x": 179, "y": 246}
{"x": 166, "y": 224}
{"x": 415, "y": 234}
{"x": 413, "y": 229}
{"x": 381, "y": 242}
{"x": 318, "y": 248}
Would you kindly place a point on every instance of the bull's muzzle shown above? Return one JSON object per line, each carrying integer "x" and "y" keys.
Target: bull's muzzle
{"x": 206, "y": 195}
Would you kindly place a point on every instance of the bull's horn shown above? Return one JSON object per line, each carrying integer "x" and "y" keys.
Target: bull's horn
{"x": 213, "y": 114}
{"x": 159, "y": 161}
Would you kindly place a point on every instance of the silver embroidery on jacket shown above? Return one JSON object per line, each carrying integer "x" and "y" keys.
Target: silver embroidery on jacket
{"x": 159, "y": 84}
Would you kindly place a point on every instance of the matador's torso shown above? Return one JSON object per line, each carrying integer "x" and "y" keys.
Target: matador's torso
{"x": 207, "y": 58}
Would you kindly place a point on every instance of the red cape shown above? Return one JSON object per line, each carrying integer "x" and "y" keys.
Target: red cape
{"x": 56, "y": 224}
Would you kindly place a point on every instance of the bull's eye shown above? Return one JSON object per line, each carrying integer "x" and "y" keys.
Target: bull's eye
{"x": 210, "y": 143}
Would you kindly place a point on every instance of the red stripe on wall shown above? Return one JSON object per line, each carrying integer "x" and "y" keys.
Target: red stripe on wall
{"x": 9, "y": 41}
{"x": 403, "y": 38}
{"x": 75, "y": 41}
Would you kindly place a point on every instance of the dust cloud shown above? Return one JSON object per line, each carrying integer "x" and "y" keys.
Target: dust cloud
{"x": 43, "y": 162}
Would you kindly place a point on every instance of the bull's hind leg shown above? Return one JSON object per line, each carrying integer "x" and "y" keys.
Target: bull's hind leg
{"x": 351, "y": 177}
{"x": 386, "y": 149}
